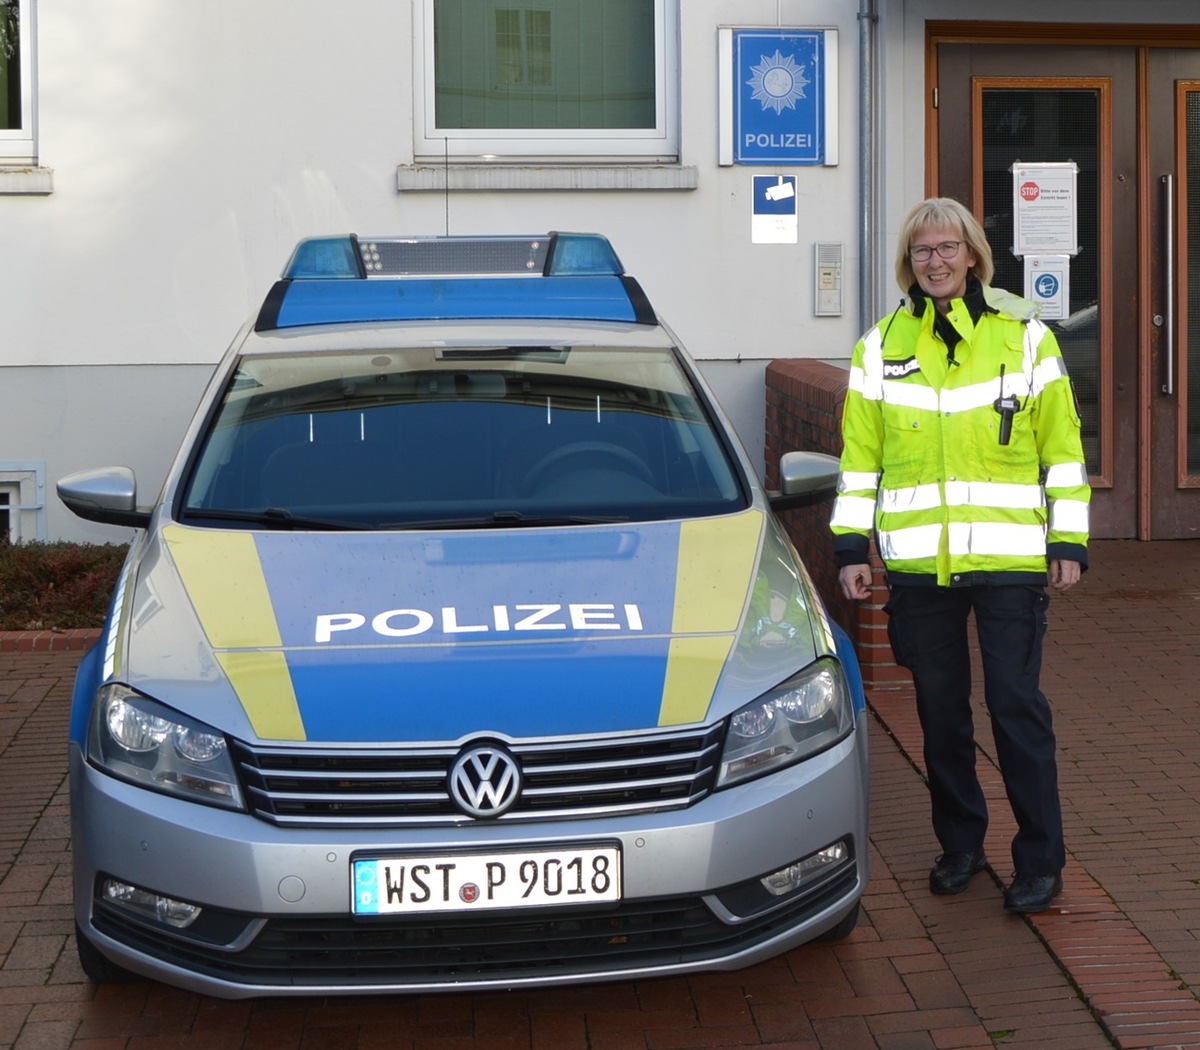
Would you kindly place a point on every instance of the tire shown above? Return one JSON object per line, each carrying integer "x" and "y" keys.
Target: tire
{"x": 843, "y": 929}
{"x": 98, "y": 967}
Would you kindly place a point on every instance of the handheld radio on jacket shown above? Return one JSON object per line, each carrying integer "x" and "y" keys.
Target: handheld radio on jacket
{"x": 1007, "y": 407}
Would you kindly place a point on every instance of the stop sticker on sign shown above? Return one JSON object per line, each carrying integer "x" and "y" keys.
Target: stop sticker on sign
{"x": 1045, "y": 204}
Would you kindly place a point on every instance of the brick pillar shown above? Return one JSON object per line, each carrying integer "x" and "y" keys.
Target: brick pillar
{"x": 804, "y": 412}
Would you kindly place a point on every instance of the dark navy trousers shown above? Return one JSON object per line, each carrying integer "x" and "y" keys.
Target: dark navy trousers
{"x": 927, "y": 627}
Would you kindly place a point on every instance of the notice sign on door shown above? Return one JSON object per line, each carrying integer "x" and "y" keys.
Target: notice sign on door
{"x": 1045, "y": 209}
{"x": 1048, "y": 283}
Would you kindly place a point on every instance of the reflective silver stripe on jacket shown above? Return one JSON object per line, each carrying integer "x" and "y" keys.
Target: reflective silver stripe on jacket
{"x": 920, "y": 542}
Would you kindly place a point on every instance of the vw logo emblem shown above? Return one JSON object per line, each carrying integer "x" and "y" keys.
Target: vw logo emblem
{"x": 485, "y": 781}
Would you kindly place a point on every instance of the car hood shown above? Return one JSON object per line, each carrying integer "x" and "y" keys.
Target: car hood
{"x": 435, "y": 636}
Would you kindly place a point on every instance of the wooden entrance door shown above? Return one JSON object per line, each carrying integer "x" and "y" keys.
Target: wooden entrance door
{"x": 1127, "y": 115}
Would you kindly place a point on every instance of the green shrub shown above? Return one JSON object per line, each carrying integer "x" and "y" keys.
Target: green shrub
{"x": 57, "y": 586}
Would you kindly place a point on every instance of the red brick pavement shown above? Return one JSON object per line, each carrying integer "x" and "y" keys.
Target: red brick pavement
{"x": 1116, "y": 963}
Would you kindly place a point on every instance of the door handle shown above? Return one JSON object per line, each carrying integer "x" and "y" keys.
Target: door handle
{"x": 1168, "y": 182}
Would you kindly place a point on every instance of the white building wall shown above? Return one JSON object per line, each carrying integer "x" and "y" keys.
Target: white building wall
{"x": 193, "y": 145}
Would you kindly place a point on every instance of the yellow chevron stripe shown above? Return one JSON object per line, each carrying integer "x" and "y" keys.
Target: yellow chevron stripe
{"x": 223, "y": 576}
{"x": 225, "y": 581}
{"x": 715, "y": 571}
{"x": 693, "y": 668}
{"x": 264, "y": 686}
{"x": 717, "y": 557}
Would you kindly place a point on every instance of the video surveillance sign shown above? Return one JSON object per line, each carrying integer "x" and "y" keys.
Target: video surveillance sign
{"x": 782, "y": 82}
{"x": 775, "y": 219}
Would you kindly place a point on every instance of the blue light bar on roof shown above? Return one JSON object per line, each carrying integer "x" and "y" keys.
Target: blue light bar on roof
{"x": 324, "y": 258}
{"x": 582, "y": 298}
{"x": 582, "y": 253}
{"x": 352, "y": 280}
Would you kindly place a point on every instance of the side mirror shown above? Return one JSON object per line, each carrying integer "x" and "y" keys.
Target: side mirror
{"x": 107, "y": 495}
{"x": 805, "y": 478}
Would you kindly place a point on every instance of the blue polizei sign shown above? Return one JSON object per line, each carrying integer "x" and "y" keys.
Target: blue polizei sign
{"x": 779, "y": 111}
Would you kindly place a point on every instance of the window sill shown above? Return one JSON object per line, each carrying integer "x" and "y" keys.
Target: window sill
{"x": 438, "y": 178}
{"x": 26, "y": 181}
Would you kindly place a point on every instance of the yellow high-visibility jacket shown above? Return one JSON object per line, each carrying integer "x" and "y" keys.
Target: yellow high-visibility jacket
{"x": 923, "y": 465}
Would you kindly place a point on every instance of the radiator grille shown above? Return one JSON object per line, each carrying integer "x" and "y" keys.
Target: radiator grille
{"x": 387, "y": 787}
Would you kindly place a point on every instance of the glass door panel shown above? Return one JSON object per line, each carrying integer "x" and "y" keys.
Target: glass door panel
{"x": 1189, "y": 371}
{"x": 1051, "y": 125}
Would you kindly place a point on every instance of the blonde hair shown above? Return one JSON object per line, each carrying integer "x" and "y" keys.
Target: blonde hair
{"x": 949, "y": 214}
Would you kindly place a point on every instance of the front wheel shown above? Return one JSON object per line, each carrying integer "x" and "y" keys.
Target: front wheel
{"x": 97, "y": 966}
{"x": 843, "y": 929}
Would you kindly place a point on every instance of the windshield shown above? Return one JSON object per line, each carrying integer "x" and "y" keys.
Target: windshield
{"x": 436, "y": 437}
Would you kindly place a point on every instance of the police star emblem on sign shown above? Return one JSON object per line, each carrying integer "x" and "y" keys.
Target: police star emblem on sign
{"x": 778, "y": 82}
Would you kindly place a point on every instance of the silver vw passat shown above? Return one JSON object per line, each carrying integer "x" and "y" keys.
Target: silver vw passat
{"x": 460, "y": 649}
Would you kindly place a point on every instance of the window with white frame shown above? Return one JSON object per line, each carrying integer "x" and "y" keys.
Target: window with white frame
{"x": 22, "y": 508}
{"x": 16, "y": 81}
{"x": 573, "y": 79}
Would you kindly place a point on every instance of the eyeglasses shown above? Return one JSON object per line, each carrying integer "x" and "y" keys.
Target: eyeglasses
{"x": 922, "y": 252}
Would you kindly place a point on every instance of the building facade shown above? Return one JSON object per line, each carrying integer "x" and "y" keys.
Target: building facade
{"x": 749, "y": 159}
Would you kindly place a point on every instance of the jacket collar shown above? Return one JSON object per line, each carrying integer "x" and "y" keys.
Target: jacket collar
{"x": 975, "y": 300}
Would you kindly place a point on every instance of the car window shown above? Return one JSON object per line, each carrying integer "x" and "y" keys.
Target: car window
{"x": 468, "y": 437}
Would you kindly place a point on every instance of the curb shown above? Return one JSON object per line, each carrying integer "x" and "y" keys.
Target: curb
{"x": 75, "y": 640}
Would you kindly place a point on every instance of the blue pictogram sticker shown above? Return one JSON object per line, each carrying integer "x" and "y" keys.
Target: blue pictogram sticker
{"x": 1046, "y": 286}
{"x": 774, "y": 194}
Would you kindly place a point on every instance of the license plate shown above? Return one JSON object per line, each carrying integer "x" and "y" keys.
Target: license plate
{"x": 463, "y": 882}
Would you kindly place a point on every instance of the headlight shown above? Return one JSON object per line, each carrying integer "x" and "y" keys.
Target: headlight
{"x": 137, "y": 739}
{"x": 807, "y": 714}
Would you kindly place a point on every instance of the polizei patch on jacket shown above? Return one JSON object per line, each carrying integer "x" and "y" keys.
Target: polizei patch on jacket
{"x": 899, "y": 369}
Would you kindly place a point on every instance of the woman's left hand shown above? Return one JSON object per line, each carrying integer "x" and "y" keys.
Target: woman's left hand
{"x": 1064, "y": 574}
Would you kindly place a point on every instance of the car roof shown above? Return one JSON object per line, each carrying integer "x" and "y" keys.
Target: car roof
{"x": 484, "y": 333}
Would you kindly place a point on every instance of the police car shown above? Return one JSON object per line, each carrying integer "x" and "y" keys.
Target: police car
{"x": 461, "y": 649}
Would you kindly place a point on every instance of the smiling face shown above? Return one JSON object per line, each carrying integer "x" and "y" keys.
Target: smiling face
{"x": 940, "y": 278}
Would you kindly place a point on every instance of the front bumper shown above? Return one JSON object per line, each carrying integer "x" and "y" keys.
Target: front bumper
{"x": 277, "y": 917}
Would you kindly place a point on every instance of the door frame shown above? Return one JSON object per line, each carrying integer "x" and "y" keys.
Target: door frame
{"x": 1142, "y": 39}
{"x": 1180, "y": 291}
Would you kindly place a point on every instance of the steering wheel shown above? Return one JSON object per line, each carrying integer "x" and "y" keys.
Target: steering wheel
{"x": 618, "y": 458}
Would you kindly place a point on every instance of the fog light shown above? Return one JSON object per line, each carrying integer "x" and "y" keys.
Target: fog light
{"x": 149, "y": 905}
{"x": 810, "y": 869}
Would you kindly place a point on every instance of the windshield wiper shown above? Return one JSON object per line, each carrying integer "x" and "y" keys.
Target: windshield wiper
{"x": 515, "y": 517}
{"x": 281, "y": 518}
{"x": 508, "y": 519}
{"x": 275, "y": 518}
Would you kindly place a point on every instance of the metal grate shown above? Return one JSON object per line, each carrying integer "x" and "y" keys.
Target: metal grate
{"x": 389, "y": 787}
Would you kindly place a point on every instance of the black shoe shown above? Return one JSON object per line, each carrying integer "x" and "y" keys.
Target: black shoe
{"x": 1030, "y": 894}
{"x": 953, "y": 871}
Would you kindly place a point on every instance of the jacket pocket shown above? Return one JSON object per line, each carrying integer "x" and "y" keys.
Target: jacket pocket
{"x": 905, "y": 441}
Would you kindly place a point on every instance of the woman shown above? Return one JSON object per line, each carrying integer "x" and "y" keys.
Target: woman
{"x": 962, "y": 456}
